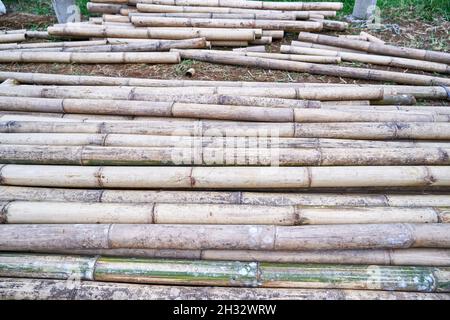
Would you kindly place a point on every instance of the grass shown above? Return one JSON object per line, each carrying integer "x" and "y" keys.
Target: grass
{"x": 40, "y": 7}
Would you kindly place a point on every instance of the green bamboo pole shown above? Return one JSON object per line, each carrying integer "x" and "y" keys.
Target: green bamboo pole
{"x": 227, "y": 273}
{"x": 44, "y": 289}
{"x": 26, "y": 237}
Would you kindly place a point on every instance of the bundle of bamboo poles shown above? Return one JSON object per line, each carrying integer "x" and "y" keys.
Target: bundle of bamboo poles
{"x": 292, "y": 191}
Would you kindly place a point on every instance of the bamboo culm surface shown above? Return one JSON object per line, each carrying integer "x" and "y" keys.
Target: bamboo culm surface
{"x": 29, "y": 212}
{"x": 220, "y": 156}
{"x": 225, "y": 273}
{"x": 11, "y": 193}
{"x": 43, "y": 289}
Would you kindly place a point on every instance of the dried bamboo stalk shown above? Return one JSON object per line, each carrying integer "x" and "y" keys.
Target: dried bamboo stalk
{"x": 250, "y": 49}
{"x": 292, "y": 57}
{"x": 89, "y": 57}
{"x": 13, "y": 31}
{"x": 45, "y": 45}
{"x": 136, "y": 140}
{"x": 225, "y": 177}
{"x": 422, "y": 92}
{"x": 105, "y": 7}
{"x": 30, "y": 212}
{"x": 37, "y": 34}
{"x": 396, "y": 100}
{"x": 287, "y": 25}
{"x": 157, "y": 33}
{"x": 226, "y": 273}
{"x": 250, "y": 4}
{"x": 229, "y": 43}
{"x": 371, "y": 47}
{"x": 262, "y": 40}
{"x": 146, "y": 93}
{"x": 332, "y": 130}
{"x": 222, "y": 156}
{"x": 154, "y": 8}
{"x": 44, "y": 289}
{"x": 12, "y": 37}
{"x": 330, "y": 24}
{"x": 210, "y": 15}
{"x": 11, "y": 193}
{"x": 372, "y": 38}
{"x": 356, "y": 73}
{"x": 322, "y": 46}
{"x": 372, "y": 59}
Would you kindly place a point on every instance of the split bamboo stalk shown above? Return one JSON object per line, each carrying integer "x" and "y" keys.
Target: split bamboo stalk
{"x": 44, "y": 45}
{"x": 210, "y": 15}
{"x": 356, "y": 73}
{"x": 224, "y": 177}
{"x": 292, "y": 57}
{"x": 332, "y": 130}
{"x": 226, "y": 273}
{"x": 154, "y": 8}
{"x": 140, "y": 141}
{"x": 371, "y": 59}
{"x": 249, "y": 4}
{"x": 12, "y": 193}
{"x": 395, "y": 257}
{"x": 12, "y": 37}
{"x": 144, "y": 46}
{"x": 144, "y": 93}
{"x": 29, "y": 212}
{"x": 45, "y": 289}
{"x": 287, "y": 25}
{"x": 25, "y": 237}
{"x": 422, "y": 92}
{"x": 216, "y": 34}
{"x": 225, "y": 156}
{"x": 372, "y": 38}
{"x": 371, "y": 47}
{"x": 89, "y": 57}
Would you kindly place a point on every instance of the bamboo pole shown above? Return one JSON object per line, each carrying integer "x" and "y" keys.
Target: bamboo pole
{"x": 30, "y": 212}
{"x": 142, "y": 141}
{"x": 250, "y": 49}
{"x": 44, "y": 45}
{"x": 292, "y": 57}
{"x": 287, "y": 25}
{"x": 217, "y": 34}
{"x": 372, "y": 38}
{"x": 321, "y": 46}
{"x": 12, "y": 37}
{"x": 356, "y": 73}
{"x": 89, "y": 57}
{"x": 371, "y": 59}
{"x": 154, "y": 8}
{"x": 25, "y": 237}
{"x": 222, "y": 156}
{"x": 146, "y": 93}
{"x": 262, "y": 40}
{"x": 229, "y": 43}
{"x": 37, "y": 34}
{"x": 110, "y": 8}
{"x": 226, "y": 273}
{"x": 44, "y": 289}
{"x": 396, "y": 257}
{"x": 332, "y": 130}
{"x": 250, "y": 4}
{"x": 225, "y": 177}
{"x": 211, "y": 15}
{"x": 11, "y": 193}
{"x": 371, "y": 47}
{"x": 397, "y": 100}
{"x": 422, "y": 92}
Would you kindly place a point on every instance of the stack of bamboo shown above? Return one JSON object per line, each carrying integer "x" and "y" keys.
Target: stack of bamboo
{"x": 151, "y": 189}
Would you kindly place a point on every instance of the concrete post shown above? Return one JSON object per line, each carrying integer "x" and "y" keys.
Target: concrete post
{"x": 66, "y": 11}
{"x": 2, "y": 8}
{"x": 363, "y": 9}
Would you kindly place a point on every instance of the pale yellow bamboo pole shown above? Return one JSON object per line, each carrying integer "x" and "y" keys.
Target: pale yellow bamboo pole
{"x": 44, "y": 289}
{"x": 250, "y": 4}
{"x": 292, "y": 26}
{"x": 372, "y": 38}
{"x": 105, "y": 7}
{"x": 30, "y": 212}
{"x": 14, "y": 193}
{"x": 371, "y": 59}
{"x": 350, "y": 72}
{"x": 208, "y": 15}
{"x": 218, "y": 34}
{"x": 371, "y": 47}
{"x": 423, "y": 92}
{"x": 263, "y": 40}
{"x": 225, "y": 177}
{"x": 230, "y": 237}
{"x": 292, "y": 57}
{"x": 12, "y": 37}
{"x": 66, "y": 44}
{"x": 89, "y": 57}
{"x": 154, "y": 8}
{"x": 229, "y": 43}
